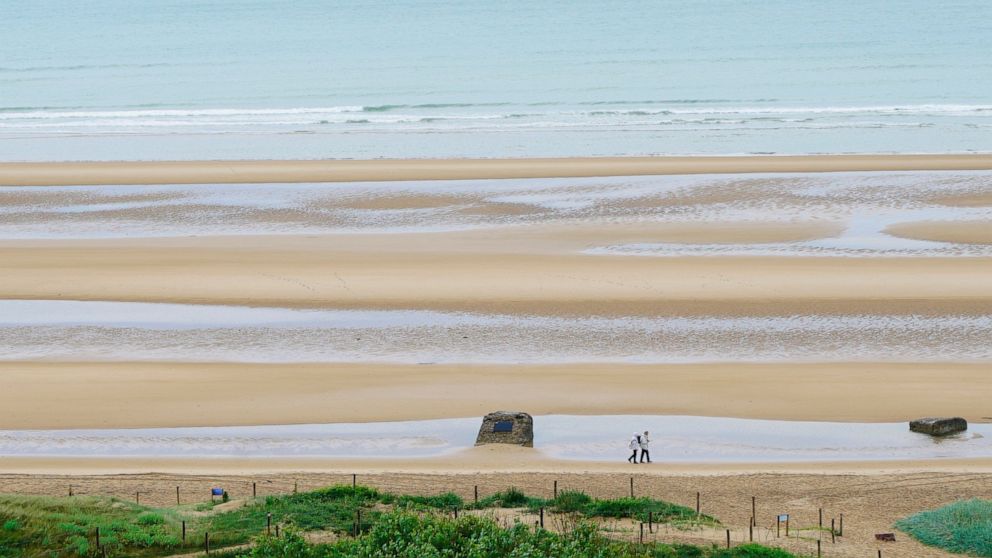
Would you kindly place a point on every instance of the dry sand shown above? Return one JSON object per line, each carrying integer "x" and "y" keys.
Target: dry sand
{"x": 143, "y": 394}
{"x": 193, "y": 172}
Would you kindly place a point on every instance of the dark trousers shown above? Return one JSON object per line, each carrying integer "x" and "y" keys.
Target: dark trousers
{"x": 633, "y": 457}
{"x": 645, "y": 454}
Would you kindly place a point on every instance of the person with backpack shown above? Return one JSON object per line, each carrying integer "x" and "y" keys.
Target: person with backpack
{"x": 634, "y": 445}
{"x": 645, "y": 453}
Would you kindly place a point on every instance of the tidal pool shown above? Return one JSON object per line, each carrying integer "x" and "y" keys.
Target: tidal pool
{"x": 100, "y": 331}
{"x": 862, "y": 202}
{"x": 675, "y": 439}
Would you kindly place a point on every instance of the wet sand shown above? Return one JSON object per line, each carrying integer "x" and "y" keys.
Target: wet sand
{"x": 961, "y": 232}
{"x": 484, "y": 272}
{"x": 172, "y": 394}
{"x": 192, "y": 172}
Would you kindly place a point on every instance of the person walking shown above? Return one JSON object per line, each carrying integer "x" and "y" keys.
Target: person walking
{"x": 634, "y": 445}
{"x": 645, "y": 452}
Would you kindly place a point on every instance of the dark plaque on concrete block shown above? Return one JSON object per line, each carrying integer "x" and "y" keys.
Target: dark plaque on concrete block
{"x": 503, "y": 426}
{"x": 506, "y": 427}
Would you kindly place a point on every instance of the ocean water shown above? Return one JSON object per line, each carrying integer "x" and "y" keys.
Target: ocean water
{"x": 184, "y": 79}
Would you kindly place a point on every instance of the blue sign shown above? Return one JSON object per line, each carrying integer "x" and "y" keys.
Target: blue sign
{"x": 783, "y": 517}
{"x": 216, "y": 491}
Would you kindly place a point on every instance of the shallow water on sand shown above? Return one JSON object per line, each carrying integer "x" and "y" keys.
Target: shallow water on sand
{"x": 71, "y": 330}
{"x": 594, "y": 438}
{"x": 860, "y": 204}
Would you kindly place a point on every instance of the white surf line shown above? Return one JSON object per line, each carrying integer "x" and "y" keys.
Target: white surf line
{"x": 586, "y": 438}
{"x": 101, "y": 331}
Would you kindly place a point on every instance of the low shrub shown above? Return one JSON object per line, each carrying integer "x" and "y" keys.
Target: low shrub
{"x": 751, "y": 551}
{"x": 446, "y": 501}
{"x": 150, "y": 518}
{"x": 570, "y": 501}
{"x": 639, "y": 508}
{"x": 510, "y": 498}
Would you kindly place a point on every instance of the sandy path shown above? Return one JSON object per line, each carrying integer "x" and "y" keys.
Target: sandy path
{"x": 192, "y": 172}
{"x": 145, "y": 394}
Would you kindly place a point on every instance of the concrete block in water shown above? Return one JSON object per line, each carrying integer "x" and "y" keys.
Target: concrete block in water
{"x": 935, "y": 426}
{"x": 506, "y": 427}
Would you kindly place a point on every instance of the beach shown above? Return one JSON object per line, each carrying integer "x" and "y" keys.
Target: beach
{"x": 260, "y": 272}
{"x": 213, "y": 323}
{"x": 734, "y": 295}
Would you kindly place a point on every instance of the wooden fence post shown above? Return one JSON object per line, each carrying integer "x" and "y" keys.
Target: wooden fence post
{"x": 206, "y": 542}
{"x": 728, "y": 538}
{"x": 98, "y": 538}
{"x": 177, "y": 495}
{"x": 631, "y": 487}
{"x": 476, "y": 494}
{"x": 642, "y": 532}
{"x": 754, "y": 512}
{"x": 184, "y": 532}
{"x": 542, "y": 519}
{"x": 697, "y": 503}
{"x": 556, "y": 490}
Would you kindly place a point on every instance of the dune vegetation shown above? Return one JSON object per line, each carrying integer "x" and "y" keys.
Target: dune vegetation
{"x": 961, "y": 527}
{"x": 359, "y": 521}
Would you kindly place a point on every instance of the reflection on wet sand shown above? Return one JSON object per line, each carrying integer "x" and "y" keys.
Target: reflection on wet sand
{"x": 588, "y": 438}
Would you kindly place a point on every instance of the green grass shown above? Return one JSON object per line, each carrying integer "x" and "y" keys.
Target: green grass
{"x": 446, "y": 501}
{"x": 67, "y": 526}
{"x": 961, "y": 527}
{"x": 639, "y": 509}
{"x": 411, "y": 535}
{"x": 332, "y": 508}
{"x": 510, "y": 498}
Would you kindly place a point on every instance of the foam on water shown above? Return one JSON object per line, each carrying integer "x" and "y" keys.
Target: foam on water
{"x": 233, "y": 79}
{"x": 589, "y": 438}
{"x": 67, "y": 330}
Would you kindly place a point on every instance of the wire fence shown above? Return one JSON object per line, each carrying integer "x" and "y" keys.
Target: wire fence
{"x": 813, "y": 524}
